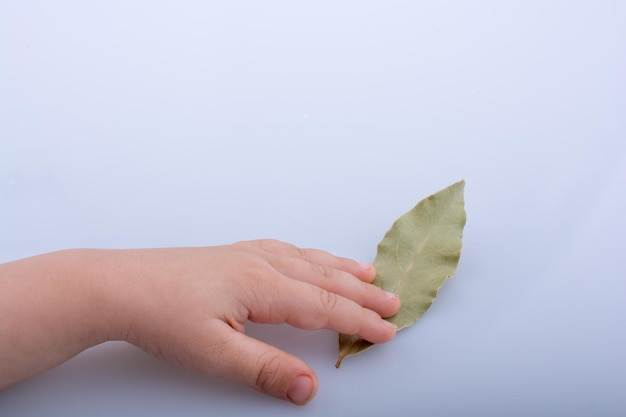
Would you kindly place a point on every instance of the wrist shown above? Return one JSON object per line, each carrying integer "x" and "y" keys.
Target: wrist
{"x": 83, "y": 276}
{"x": 105, "y": 280}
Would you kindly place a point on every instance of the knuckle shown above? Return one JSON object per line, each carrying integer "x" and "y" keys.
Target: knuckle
{"x": 267, "y": 243}
{"x": 288, "y": 249}
{"x": 262, "y": 244}
{"x": 277, "y": 247}
{"x": 304, "y": 254}
{"x": 245, "y": 245}
{"x": 323, "y": 271}
{"x": 281, "y": 248}
{"x": 329, "y": 301}
{"x": 269, "y": 376}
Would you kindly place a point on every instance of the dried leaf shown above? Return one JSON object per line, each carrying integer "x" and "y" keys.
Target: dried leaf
{"x": 416, "y": 256}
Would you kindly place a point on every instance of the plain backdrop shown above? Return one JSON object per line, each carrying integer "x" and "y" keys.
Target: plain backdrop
{"x": 155, "y": 123}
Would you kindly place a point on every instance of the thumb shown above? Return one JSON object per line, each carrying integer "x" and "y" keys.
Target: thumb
{"x": 265, "y": 368}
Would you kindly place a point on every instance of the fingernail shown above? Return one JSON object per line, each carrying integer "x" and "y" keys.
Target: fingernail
{"x": 301, "y": 390}
{"x": 392, "y": 295}
{"x": 390, "y": 325}
{"x": 365, "y": 266}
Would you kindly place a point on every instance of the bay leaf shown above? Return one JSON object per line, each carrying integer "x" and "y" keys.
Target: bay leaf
{"x": 417, "y": 255}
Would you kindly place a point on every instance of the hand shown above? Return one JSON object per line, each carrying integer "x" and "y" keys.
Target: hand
{"x": 189, "y": 306}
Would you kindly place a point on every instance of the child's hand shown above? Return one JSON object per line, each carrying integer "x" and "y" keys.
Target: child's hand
{"x": 189, "y": 305}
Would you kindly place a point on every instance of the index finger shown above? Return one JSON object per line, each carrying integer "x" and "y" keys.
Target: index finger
{"x": 309, "y": 307}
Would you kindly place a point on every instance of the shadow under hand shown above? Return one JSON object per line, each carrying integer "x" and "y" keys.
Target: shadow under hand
{"x": 118, "y": 378}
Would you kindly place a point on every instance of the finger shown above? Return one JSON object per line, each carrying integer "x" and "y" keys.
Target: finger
{"x": 363, "y": 271}
{"x": 343, "y": 283}
{"x": 261, "y": 366}
{"x": 310, "y": 307}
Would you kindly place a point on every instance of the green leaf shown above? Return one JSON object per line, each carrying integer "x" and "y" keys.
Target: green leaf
{"x": 416, "y": 257}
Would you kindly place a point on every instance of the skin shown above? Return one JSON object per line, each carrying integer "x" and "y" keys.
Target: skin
{"x": 187, "y": 306}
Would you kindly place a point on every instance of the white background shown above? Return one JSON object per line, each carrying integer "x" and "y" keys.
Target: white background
{"x": 154, "y": 123}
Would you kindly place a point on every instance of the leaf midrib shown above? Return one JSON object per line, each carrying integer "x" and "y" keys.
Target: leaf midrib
{"x": 421, "y": 246}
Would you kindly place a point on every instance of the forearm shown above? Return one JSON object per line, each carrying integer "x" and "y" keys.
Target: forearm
{"x": 51, "y": 308}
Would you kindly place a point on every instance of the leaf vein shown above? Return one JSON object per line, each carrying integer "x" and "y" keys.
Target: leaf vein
{"x": 419, "y": 249}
